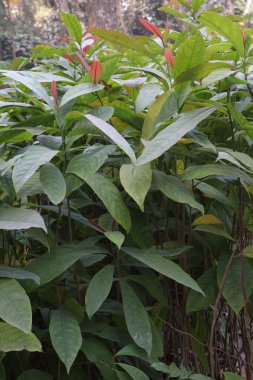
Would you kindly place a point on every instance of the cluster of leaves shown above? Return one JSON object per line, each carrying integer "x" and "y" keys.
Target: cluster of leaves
{"x": 126, "y": 214}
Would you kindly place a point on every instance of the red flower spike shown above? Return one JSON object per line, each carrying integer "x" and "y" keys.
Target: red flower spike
{"x": 95, "y": 71}
{"x": 54, "y": 90}
{"x": 243, "y": 37}
{"x": 169, "y": 57}
{"x": 83, "y": 62}
{"x": 69, "y": 58}
{"x": 151, "y": 28}
{"x": 167, "y": 25}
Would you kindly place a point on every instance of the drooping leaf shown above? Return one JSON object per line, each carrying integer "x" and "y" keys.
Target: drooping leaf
{"x": 239, "y": 275}
{"x": 136, "y": 317}
{"x": 78, "y": 90}
{"x": 135, "y": 373}
{"x": 213, "y": 229}
{"x": 13, "y": 339}
{"x": 173, "y": 133}
{"x": 136, "y": 180}
{"x": 116, "y": 237}
{"x": 17, "y": 218}
{"x": 15, "y": 307}
{"x": 153, "y": 259}
{"x": 53, "y": 183}
{"x": 29, "y": 162}
{"x": 65, "y": 336}
{"x": 206, "y": 219}
{"x": 98, "y": 289}
{"x": 175, "y": 189}
{"x": 18, "y": 273}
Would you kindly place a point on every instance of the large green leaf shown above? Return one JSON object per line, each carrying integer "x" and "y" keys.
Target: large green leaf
{"x": 207, "y": 170}
{"x": 113, "y": 134}
{"x": 73, "y": 25}
{"x": 32, "y": 374}
{"x": 17, "y": 218}
{"x": 136, "y": 317}
{"x": 90, "y": 161}
{"x": 29, "y": 162}
{"x": 15, "y": 307}
{"x": 163, "y": 108}
{"x": 191, "y": 53}
{"x": 18, "y": 273}
{"x": 78, "y": 90}
{"x": 224, "y": 26}
{"x": 136, "y": 180}
{"x": 208, "y": 283}
{"x": 135, "y": 373}
{"x": 111, "y": 197}
{"x": 239, "y": 275}
{"x": 146, "y": 96}
{"x": 173, "y": 133}
{"x": 13, "y": 339}
{"x": 65, "y": 336}
{"x": 232, "y": 376}
{"x": 53, "y": 183}
{"x": 152, "y": 258}
{"x": 98, "y": 289}
{"x": 49, "y": 266}
{"x": 175, "y": 189}
{"x": 99, "y": 354}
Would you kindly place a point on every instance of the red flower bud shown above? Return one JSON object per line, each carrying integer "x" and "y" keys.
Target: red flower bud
{"x": 69, "y": 58}
{"x": 151, "y": 28}
{"x": 243, "y": 37}
{"x": 54, "y": 90}
{"x": 95, "y": 71}
{"x": 83, "y": 62}
{"x": 167, "y": 25}
{"x": 169, "y": 57}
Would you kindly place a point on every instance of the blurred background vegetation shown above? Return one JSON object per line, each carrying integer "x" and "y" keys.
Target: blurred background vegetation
{"x": 26, "y": 23}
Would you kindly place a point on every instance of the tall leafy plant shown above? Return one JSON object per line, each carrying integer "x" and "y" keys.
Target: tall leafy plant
{"x": 126, "y": 182}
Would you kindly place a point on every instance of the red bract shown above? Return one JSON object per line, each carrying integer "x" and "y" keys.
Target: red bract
{"x": 95, "y": 71}
{"x": 243, "y": 37}
{"x": 151, "y": 28}
{"x": 83, "y": 62}
{"x": 69, "y": 58}
{"x": 86, "y": 48}
{"x": 167, "y": 25}
{"x": 169, "y": 57}
{"x": 54, "y": 90}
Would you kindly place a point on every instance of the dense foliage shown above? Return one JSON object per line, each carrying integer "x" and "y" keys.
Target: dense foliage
{"x": 125, "y": 213}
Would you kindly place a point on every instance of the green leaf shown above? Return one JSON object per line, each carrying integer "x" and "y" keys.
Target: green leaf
{"x": 210, "y": 71}
{"x": 232, "y": 376}
{"x": 14, "y": 218}
{"x": 239, "y": 274}
{"x": 171, "y": 369}
{"x": 73, "y": 25}
{"x": 135, "y": 373}
{"x": 49, "y": 266}
{"x": 13, "y": 339}
{"x": 65, "y": 336}
{"x": 136, "y": 317}
{"x": 136, "y": 180}
{"x": 30, "y": 83}
{"x": 146, "y": 96}
{"x": 53, "y": 183}
{"x": 152, "y": 258}
{"x": 98, "y": 353}
{"x": 224, "y": 26}
{"x": 29, "y": 162}
{"x": 90, "y": 161}
{"x": 191, "y": 53}
{"x": 196, "y": 4}
{"x": 163, "y": 108}
{"x": 208, "y": 283}
{"x": 212, "y": 229}
{"x": 207, "y": 170}
{"x": 15, "y": 307}
{"x": 214, "y": 193}
{"x": 175, "y": 189}
{"x": 32, "y": 374}
{"x": 248, "y": 251}
{"x": 78, "y": 90}
{"x": 111, "y": 197}
{"x": 19, "y": 274}
{"x": 118, "y": 38}
{"x": 116, "y": 237}
{"x": 98, "y": 289}
{"x": 173, "y": 133}
{"x": 113, "y": 134}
